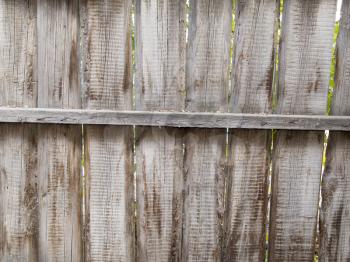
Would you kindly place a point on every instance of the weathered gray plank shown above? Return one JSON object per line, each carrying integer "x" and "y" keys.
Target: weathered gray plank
{"x": 249, "y": 150}
{"x": 246, "y": 203}
{"x": 208, "y": 56}
{"x": 204, "y": 172}
{"x": 18, "y": 67}
{"x": 109, "y": 194}
{"x": 174, "y": 119}
{"x": 335, "y": 211}
{"x": 159, "y": 158}
{"x": 109, "y": 187}
{"x": 334, "y": 215}
{"x": 59, "y": 169}
{"x": 160, "y": 54}
{"x": 304, "y": 62}
{"x": 207, "y": 74}
{"x": 58, "y": 61}
{"x": 59, "y": 147}
{"x": 18, "y": 143}
{"x": 253, "y": 56}
{"x": 19, "y": 222}
{"x": 160, "y": 81}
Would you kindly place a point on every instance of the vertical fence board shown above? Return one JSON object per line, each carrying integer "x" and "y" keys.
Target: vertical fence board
{"x": 249, "y": 150}
{"x": 109, "y": 183}
{"x": 335, "y": 211}
{"x": 59, "y": 147}
{"x": 304, "y": 63}
{"x": 18, "y": 143}
{"x": 207, "y": 74}
{"x": 160, "y": 65}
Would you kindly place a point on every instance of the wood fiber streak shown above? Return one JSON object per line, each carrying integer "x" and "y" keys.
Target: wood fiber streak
{"x": 107, "y": 39}
{"x": 305, "y": 56}
{"x": 59, "y": 169}
{"x": 18, "y": 75}
{"x": 159, "y": 157}
{"x": 174, "y": 119}
{"x": 253, "y": 56}
{"x": 160, "y": 82}
{"x": 246, "y": 204}
{"x": 208, "y": 57}
{"x": 335, "y": 211}
{"x": 296, "y": 168}
{"x": 249, "y": 150}
{"x": 19, "y": 224}
{"x": 107, "y": 82}
{"x": 109, "y": 194}
{"x": 58, "y": 58}
{"x": 207, "y": 76}
{"x": 304, "y": 62}
{"x": 204, "y": 194}
{"x": 59, "y": 147}
{"x": 160, "y": 54}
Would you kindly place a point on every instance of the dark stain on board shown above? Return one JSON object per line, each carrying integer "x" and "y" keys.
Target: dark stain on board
{"x": 73, "y": 66}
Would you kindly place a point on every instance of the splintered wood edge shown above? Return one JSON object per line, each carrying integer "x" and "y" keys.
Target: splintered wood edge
{"x": 174, "y": 119}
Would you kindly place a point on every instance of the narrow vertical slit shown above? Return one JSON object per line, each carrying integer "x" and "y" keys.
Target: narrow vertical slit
{"x": 184, "y": 133}
{"x": 82, "y": 189}
{"x": 277, "y": 43}
{"x": 187, "y": 18}
{"x": 187, "y": 14}
{"x": 227, "y": 140}
{"x": 83, "y": 93}
{"x": 326, "y": 134}
{"x": 233, "y": 23}
{"x": 134, "y": 127}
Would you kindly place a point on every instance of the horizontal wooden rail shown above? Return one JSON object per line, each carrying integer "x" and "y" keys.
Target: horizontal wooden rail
{"x": 174, "y": 119}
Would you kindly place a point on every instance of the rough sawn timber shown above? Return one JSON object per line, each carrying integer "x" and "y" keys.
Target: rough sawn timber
{"x": 207, "y": 78}
{"x": 108, "y": 150}
{"x": 19, "y": 223}
{"x": 174, "y": 119}
{"x": 304, "y": 63}
{"x": 249, "y": 150}
{"x": 335, "y": 210}
{"x": 59, "y": 147}
{"x": 160, "y": 81}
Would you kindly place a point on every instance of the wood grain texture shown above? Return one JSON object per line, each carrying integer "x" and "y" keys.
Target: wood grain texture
{"x": 160, "y": 55}
{"x": 334, "y": 215}
{"x": 174, "y": 119}
{"x": 59, "y": 169}
{"x": 59, "y": 147}
{"x": 253, "y": 56}
{"x": 58, "y": 57}
{"x": 204, "y": 170}
{"x": 207, "y": 75}
{"x": 304, "y": 63}
{"x": 249, "y": 150}
{"x": 18, "y": 67}
{"x": 107, "y": 81}
{"x": 107, "y": 54}
{"x": 19, "y": 224}
{"x": 109, "y": 194}
{"x": 208, "y": 58}
{"x": 160, "y": 82}
{"x": 159, "y": 158}
{"x": 246, "y": 197}
{"x": 305, "y": 56}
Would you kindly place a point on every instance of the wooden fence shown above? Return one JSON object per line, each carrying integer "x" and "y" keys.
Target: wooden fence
{"x": 129, "y": 134}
